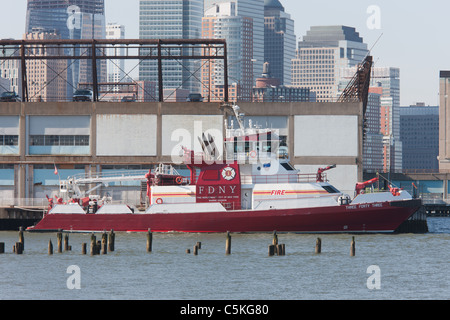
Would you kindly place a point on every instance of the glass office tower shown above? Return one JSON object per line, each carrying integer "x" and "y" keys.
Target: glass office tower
{"x": 253, "y": 9}
{"x": 279, "y": 41}
{"x": 322, "y": 55}
{"x": 71, "y": 19}
{"x": 171, "y": 19}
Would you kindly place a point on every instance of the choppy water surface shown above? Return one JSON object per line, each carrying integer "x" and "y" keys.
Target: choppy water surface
{"x": 411, "y": 266}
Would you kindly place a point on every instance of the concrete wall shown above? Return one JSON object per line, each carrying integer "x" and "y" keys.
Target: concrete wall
{"x": 318, "y": 134}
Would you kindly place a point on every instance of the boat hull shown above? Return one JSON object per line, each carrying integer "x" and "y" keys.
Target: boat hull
{"x": 375, "y": 217}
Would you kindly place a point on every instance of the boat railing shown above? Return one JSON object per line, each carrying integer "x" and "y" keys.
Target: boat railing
{"x": 231, "y": 206}
{"x": 112, "y": 176}
{"x": 23, "y": 202}
{"x": 253, "y": 179}
{"x": 281, "y": 178}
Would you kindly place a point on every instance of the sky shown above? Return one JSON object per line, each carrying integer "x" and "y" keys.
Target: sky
{"x": 411, "y": 35}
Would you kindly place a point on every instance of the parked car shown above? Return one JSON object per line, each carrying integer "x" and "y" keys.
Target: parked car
{"x": 194, "y": 97}
{"x": 9, "y": 96}
{"x": 129, "y": 99}
{"x": 83, "y": 95}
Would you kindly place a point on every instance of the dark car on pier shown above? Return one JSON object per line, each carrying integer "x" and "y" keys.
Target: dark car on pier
{"x": 9, "y": 96}
{"x": 83, "y": 95}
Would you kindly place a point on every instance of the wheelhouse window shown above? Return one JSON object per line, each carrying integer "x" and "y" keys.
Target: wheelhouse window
{"x": 331, "y": 189}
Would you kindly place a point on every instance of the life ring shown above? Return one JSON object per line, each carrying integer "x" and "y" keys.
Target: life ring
{"x": 159, "y": 201}
{"x": 178, "y": 180}
{"x": 253, "y": 154}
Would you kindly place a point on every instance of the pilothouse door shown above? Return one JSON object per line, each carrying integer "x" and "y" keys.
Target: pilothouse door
{"x": 246, "y": 198}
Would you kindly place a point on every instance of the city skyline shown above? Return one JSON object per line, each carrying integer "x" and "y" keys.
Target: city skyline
{"x": 407, "y": 37}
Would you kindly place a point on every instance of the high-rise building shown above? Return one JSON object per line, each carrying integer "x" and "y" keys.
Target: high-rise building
{"x": 321, "y": 57}
{"x": 222, "y": 22}
{"x": 171, "y": 19}
{"x": 11, "y": 70}
{"x": 71, "y": 19}
{"x": 46, "y": 78}
{"x": 386, "y": 82}
{"x": 254, "y": 10}
{"x": 388, "y": 79}
{"x": 419, "y": 131}
{"x": 444, "y": 125}
{"x": 115, "y": 67}
{"x": 279, "y": 41}
{"x": 373, "y": 156}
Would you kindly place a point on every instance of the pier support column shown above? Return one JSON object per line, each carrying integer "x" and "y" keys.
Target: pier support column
{"x": 445, "y": 190}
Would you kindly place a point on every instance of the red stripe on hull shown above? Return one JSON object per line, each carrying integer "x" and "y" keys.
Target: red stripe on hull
{"x": 355, "y": 218}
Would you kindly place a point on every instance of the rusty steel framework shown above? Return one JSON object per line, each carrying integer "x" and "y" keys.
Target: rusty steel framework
{"x": 357, "y": 89}
{"x": 97, "y": 49}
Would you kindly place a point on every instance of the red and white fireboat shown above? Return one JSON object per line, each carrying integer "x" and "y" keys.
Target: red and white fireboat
{"x": 249, "y": 190}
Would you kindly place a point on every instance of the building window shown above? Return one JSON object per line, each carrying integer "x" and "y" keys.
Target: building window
{"x": 9, "y": 140}
{"x": 63, "y": 140}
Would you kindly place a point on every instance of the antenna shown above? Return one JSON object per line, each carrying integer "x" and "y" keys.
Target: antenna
{"x": 375, "y": 43}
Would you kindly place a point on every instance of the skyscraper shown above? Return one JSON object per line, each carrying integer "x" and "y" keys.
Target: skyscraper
{"x": 71, "y": 19}
{"x": 419, "y": 130}
{"x": 46, "y": 78}
{"x": 323, "y": 54}
{"x": 171, "y": 19}
{"x": 222, "y": 22}
{"x": 444, "y": 111}
{"x": 253, "y": 9}
{"x": 279, "y": 41}
{"x": 386, "y": 82}
{"x": 115, "y": 67}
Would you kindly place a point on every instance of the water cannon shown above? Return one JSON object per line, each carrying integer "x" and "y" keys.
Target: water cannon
{"x": 360, "y": 186}
{"x": 320, "y": 171}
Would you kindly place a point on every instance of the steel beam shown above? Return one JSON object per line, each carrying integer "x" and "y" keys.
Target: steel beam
{"x": 96, "y": 49}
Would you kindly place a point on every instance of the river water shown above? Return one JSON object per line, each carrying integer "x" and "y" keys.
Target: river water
{"x": 385, "y": 267}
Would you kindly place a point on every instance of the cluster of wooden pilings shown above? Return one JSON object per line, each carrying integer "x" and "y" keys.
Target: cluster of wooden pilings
{"x": 280, "y": 249}
{"x": 18, "y": 247}
{"x": 275, "y": 248}
{"x": 96, "y": 246}
{"x": 107, "y": 243}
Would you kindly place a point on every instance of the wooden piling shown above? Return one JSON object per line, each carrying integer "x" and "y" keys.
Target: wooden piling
{"x": 19, "y": 248}
{"x": 352, "y": 247}
{"x": 2, "y": 247}
{"x": 271, "y": 250}
{"x": 149, "y": 241}
{"x": 104, "y": 243}
{"x": 21, "y": 238}
{"x": 83, "y": 248}
{"x": 112, "y": 238}
{"x": 188, "y": 251}
{"x": 279, "y": 249}
{"x": 66, "y": 242}
{"x": 228, "y": 244}
{"x": 50, "y": 247}
{"x": 318, "y": 246}
{"x": 199, "y": 245}
{"x": 59, "y": 238}
{"x": 275, "y": 238}
{"x": 93, "y": 245}
{"x": 195, "y": 250}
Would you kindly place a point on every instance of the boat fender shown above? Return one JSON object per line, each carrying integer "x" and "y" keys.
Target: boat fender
{"x": 178, "y": 180}
{"x": 159, "y": 201}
